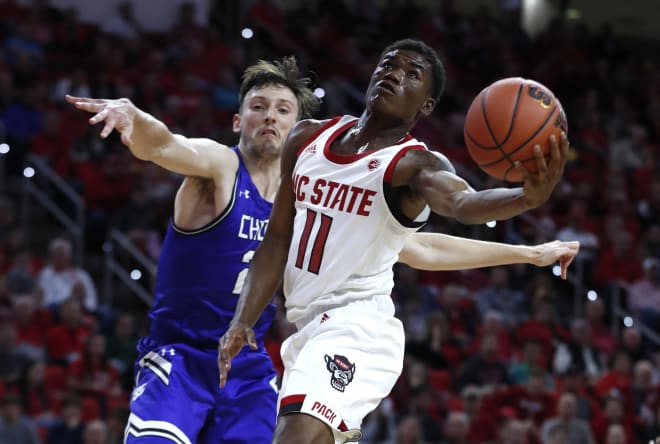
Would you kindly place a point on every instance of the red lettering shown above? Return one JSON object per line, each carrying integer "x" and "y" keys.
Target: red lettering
{"x": 298, "y": 183}
{"x": 340, "y": 197}
{"x": 366, "y": 202}
{"x": 318, "y": 192}
{"x": 355, "y": 192}
{"x": 331, "y": 185}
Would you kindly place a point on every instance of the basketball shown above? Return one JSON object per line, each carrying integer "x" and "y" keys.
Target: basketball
{"x": 504, "y": 122}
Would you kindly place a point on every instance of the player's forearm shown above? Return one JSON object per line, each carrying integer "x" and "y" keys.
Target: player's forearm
{"x": 437, "y": 252}
{"x": 150, "y": 136}
{"x": 263, "y": 279}
{"x": 494, "y": 204}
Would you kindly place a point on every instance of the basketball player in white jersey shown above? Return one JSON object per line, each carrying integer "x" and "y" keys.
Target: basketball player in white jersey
{"x": 352, "y": 190}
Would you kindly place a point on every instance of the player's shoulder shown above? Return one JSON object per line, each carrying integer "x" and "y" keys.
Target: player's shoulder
{"x": 309, "y": 126}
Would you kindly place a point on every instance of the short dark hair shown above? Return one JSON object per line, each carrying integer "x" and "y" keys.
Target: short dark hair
{"x": 437, "y": 68}
{"x": 283, "y": 72}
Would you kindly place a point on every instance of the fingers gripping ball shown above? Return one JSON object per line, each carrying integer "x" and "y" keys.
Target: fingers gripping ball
{"x": 506, "y": 120}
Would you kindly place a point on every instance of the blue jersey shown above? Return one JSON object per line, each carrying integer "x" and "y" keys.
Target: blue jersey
{"x": 201, "y": 272}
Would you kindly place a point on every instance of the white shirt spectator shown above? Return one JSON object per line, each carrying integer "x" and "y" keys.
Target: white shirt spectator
{"x": 61, "y": 279}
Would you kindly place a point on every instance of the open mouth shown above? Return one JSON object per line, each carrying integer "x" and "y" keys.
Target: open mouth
{"x": 269, "y": 132}
{"x": 386, "y": 86}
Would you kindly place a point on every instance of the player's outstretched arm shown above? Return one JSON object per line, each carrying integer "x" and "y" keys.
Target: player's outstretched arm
{"x": 149, "y": 139}
{"x": 267, "y": 265}
{"x": 435, "y": 251}
{"x": 451, "y": 196}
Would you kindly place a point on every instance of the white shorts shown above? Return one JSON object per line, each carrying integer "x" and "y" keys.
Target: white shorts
{"x": 341, "y": 364}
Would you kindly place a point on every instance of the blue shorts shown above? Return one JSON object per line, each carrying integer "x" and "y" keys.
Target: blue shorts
{"x": 177, "y": 399}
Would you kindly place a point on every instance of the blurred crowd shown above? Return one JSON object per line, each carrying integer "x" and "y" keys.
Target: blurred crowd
{"x": 505, "y": 355}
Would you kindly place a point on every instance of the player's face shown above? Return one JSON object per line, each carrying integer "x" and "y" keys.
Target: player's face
{"x": 401, "y": 85}
{"x": 265, "y": 119}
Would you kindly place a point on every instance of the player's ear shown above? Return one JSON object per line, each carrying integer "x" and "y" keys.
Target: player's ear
{"x": 428, "y": 106}
{"x": 236, "y": 123}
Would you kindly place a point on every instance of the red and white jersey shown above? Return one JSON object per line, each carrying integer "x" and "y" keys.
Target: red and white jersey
{"x": 345, "y": 239}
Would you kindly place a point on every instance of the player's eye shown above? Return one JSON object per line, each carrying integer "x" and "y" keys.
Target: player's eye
{"x": 413, "y": 74}
{"x": 283, "y": 110}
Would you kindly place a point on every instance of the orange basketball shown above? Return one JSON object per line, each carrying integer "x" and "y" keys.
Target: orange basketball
{"x": 506, "y": 120}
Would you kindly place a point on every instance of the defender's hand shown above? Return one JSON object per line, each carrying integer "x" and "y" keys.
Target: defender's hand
{"x": 554, "y": 251}
{"x": 539, "y": 186}
{"x": 116, "y": 113}
{"x": 230, "y": 345}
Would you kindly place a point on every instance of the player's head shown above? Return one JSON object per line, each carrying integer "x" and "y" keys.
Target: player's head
{"x": 409, "y": 77}
{"x": 272, "y": 98}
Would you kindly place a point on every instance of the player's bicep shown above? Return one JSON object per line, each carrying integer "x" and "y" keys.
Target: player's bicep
{"x": 442, "y": 190}
{"x": 197, "y": 157}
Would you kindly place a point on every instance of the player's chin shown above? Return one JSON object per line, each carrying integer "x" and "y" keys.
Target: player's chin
{"x": 270, "y": 148}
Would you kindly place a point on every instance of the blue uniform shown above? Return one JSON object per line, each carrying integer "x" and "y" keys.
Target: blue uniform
{"x": 200, "y": 275}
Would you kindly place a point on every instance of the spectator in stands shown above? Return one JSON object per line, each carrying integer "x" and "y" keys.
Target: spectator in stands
{"x": 32, "y": 323}
{"x": 526, "y": 360}
{"x": 58, "y": 279}
{"x": 12, "y": 360}
{"x": 617, "y": 378}
{"x": 378, "y": 427}
{"x": 93, "y": 376}
{"x": 577, "y": 430}
{"x": 618, "y": 262}
{"x": 69, "y": 428}
{"x": 14, "y": 427}
{"x": 644, "y": 293}
{"x": 96, "y": 432}
{"x": 430, "y": 349}
{"x": 456, "y": 428}
{"x": 616, "y": 434}
{"x": 574, "y": 381}
{"x": 409, "y": 430}
{"x": 485, "y": 368}
{"x": 122, "y": 347}
{"x": 493, "y": 323}
{"x": 613, "y": 412}
{"x": 39, "y": 401}
{"x": 645, "y": 397}
{"x": 595, "y": 313}
{"x": 66, "y": 338}
{"x": 633, "y": 344}
{"x": 499, "y": 296}
{"x": 483, "y": 424}
{"x": 122, "y": 23}
{"x": 579, "y": 352}
{"x": 577, "y": 228}
{"x": 529, "y": 402}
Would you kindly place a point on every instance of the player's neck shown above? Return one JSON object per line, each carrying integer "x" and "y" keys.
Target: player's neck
{"x": 376, "y": 132}
{"x": 264, "y": 171}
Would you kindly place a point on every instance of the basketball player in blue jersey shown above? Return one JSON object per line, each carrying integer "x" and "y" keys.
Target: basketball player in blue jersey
{"x": 220, "y": 215}
{"x": 353, "y": 191}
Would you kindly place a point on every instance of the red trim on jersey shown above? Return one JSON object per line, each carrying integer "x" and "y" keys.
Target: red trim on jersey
{"x": 343, "y": 427}
{"x": 396, "y": 158}
{"x": 292, "y": 400}
{"x": 316, "y": 133}
{"x": 349, "y": 158}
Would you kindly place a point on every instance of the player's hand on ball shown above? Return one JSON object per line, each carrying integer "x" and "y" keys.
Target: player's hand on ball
{"x": 230, "y": 344}
{"x": 116, "y": 113}
{"x": 539, "y": 186}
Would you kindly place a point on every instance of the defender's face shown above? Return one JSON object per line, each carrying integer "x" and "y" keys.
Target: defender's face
{"x": 401, "y": 85}
{"x": 265, "y": 118}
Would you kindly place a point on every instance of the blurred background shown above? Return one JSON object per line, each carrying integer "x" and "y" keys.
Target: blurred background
{"x": 499, "y": 355}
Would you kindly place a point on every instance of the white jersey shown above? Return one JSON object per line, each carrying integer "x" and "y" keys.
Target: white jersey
{"x": 345, "y": 239}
